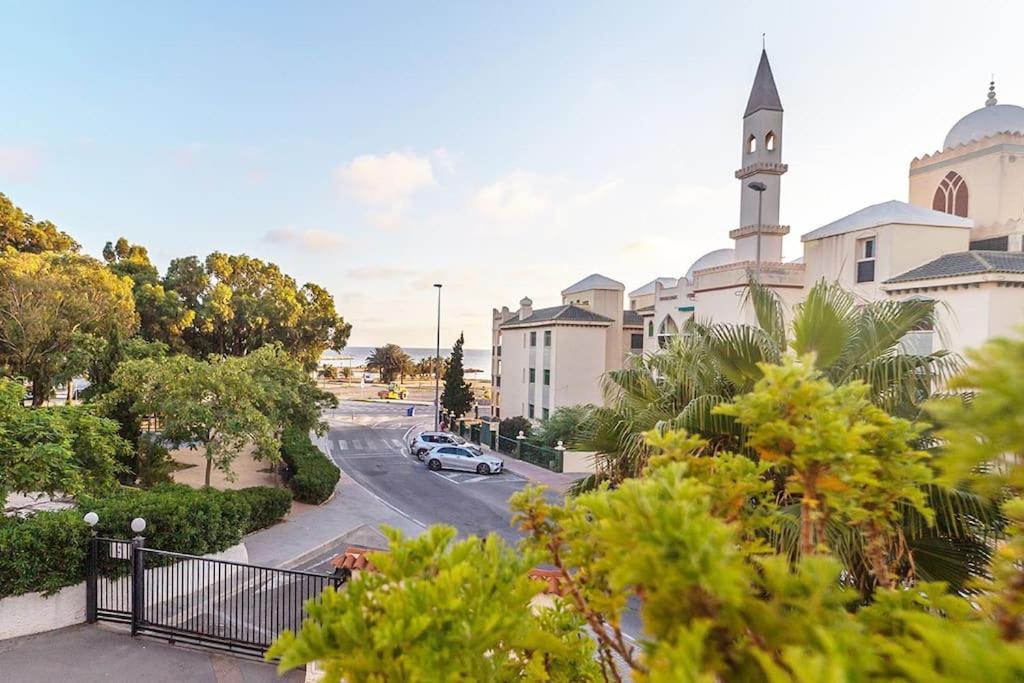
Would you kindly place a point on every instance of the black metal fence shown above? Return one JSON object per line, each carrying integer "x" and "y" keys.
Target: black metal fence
{"x": 197, "y": 600}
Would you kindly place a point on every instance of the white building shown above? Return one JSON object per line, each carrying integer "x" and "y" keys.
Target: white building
{"x": 959, "y": 239}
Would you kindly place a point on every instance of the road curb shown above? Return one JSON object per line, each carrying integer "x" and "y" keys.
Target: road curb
{"x": 321, "y": 549}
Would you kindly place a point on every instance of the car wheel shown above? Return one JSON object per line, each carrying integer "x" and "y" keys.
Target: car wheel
{"x": 434, "y": 464}
{"x": 483, "y": 469}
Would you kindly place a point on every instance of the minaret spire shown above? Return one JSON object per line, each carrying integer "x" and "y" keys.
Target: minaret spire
{"x": 992, "y": 101}
{"x": 763, "y": 94}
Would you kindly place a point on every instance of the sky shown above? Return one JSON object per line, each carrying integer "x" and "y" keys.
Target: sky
{"x": 501, "y": 149}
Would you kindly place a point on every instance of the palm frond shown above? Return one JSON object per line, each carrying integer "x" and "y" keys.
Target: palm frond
{"x": 822, "y": 323}
{"x": 738, "y": 349}
{"x": 879, "y": 326}
{"x": 768, "y": 310}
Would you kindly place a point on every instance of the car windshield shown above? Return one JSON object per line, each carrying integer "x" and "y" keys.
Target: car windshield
{"x": 474, "y": 451}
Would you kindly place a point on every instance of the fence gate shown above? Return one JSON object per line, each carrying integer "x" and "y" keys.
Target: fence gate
{"x": 196, "y": 600}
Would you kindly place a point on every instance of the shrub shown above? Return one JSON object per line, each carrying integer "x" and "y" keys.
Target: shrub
{"x": 313, "y": 475}
{"x": 42, "y": 553}
{"x": 267, "y": 505}
{"x": 511, "y": 426}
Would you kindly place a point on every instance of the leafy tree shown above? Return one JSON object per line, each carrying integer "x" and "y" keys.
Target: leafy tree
{"x": 67, "y": 449}
{"x": 47, "y": 302}
{"x": 426, "y": 367}
{"x": 213, "y": 405}
{"x": 437, "y": 609}
{"x": 21, "y": 232}
{"x": 287, "y": 394}
{"x": 389, "y": 360}
{"x": 565, "y": 425}
{"x": 510, "y": 427}
{"x": 457, "y": 397}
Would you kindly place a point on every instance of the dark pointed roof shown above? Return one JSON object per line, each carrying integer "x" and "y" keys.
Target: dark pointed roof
{"x": 763, "y": 94}
{"x": 965, "y": 263}
{"x": 568, "y": 313}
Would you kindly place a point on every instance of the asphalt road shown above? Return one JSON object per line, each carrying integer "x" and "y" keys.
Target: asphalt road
{"x": 369, "y": 441}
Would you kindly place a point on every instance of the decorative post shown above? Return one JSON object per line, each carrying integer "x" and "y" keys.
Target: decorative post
{"x": 519, "y": 444}
{"x": 138, "y": 574}
{"x": 91, "y": 570}
{"x": 560, "y": 462}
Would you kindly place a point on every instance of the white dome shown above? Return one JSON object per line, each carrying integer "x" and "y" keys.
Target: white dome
{"x": 985, "y": 122}
{"x": 718, "y": 257}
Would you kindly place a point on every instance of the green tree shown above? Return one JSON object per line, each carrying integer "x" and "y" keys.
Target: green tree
{"x": 437, "y": 609}
{"x": 47, "y": 302}
{"x": 21, "y": 232}
{"x": 510, "y": 427}
{"x": 565, "y": 425}
{"x": 389, "y": 360}
{"x": 457, "y": 397}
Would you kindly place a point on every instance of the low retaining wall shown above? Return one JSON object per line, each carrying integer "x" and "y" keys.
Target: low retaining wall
{"x": 23, "y": 615}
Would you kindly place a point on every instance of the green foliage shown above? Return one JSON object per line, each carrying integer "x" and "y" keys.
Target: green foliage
{"x": 390, "y": 361}
{"x": 313, "y": 475}
{"x": 67, "y": 449}
{"x": 267, "y": 506}
{"x": 42, "y": 553}
{"x": 565, "y": 425}
{"x": 457, "y": 396}
{"x": 510, "y": 427}
{"x": 440, "y": 610}
{"x": 47, "y": 302}
{"x": 21, "y": 232}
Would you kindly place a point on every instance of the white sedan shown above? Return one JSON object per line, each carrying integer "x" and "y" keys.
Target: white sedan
{"x": 467, "y": 458}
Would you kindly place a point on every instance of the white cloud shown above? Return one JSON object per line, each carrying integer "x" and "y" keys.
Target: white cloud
{"x": 446, "y": 158}
{"x": 518, "y": 197}
{"x": 588, "y": 198}
{"x": 684, "y": 196}
{"x": 313, "y": 239}
{"x": 19, "y": 163}
{"x": 384, "y": 179}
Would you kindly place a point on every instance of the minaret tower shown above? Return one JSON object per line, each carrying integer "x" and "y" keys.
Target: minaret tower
{"x": 761, "y": 162}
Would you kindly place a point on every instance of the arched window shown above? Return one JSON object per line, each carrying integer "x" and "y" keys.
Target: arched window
{"x": 769, "y": 141}
{"x": 751, "y": 145}
{"x": 650, "y": 328}
{"x": 951, "y": 195}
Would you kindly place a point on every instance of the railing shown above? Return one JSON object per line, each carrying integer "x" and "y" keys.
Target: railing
{"x": 507, "y": 445}
{"x": 548, "y": 458}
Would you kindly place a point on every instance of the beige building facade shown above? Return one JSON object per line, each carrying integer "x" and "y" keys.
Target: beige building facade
{"x": 958, "y": 240}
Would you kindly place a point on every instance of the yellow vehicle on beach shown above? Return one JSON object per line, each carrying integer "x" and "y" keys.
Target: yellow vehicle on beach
{"x": 395, "y": 392}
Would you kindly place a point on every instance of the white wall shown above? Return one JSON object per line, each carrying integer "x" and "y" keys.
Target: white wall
{"x": 577, "y": 364}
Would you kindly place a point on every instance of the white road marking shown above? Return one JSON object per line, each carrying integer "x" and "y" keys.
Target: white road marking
{"x": 342, "y": 444}
{"x": 357, "y": 444}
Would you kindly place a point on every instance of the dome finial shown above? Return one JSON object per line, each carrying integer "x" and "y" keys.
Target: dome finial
{"x": 991, "y": 93}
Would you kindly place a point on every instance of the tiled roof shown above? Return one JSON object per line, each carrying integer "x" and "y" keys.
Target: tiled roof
{"x": 567, "y": 313}
{"x": 354, "y": 559}
{"x": 645, "y": 309}
{"x": 632, "y": 318}
{"x": 965, "y": 263}
{"x": 885, "y": 213}
{"x": 644, "y": 290}
{"x": 595, "y": 281}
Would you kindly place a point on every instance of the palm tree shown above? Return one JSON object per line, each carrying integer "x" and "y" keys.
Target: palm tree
{"x": 390, "y": 360}
{"x": 710, "y": 363}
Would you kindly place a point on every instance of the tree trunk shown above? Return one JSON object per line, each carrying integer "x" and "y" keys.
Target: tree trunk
{"x": 38, "y": 396}
{"x": 209, "y": 468}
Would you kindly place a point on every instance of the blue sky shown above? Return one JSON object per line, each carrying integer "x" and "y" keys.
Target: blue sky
{"x": 503, "y": 149}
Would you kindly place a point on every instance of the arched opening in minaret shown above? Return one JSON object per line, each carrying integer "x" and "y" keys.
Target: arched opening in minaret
{"x": 769, "y": 141}
{"x": 751, "y": 144}
{"x": 951, "y": 195}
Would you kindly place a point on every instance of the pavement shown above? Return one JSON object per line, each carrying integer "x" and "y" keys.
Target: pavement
{"x": 90, "y": 654}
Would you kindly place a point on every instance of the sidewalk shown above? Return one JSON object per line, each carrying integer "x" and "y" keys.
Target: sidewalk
{"x": 352, "y": 510}
{"x": 90, "y": 653}
{"x": 538, "y": 475}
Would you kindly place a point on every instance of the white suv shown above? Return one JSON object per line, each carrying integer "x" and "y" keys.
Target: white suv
{"x": 424, "y": 442}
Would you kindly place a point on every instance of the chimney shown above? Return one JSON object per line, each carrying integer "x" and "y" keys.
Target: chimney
{"x": 525, "y": 308}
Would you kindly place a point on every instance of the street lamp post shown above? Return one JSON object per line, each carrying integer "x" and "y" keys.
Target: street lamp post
{"x": 437, "y": 363}
{"x": 759, "y": 188}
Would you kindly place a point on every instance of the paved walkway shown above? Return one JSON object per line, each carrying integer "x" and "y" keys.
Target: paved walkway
{"x": 353, "y": 511}
{"x": 558, "y": 481}
{"x": 90, "y": 653}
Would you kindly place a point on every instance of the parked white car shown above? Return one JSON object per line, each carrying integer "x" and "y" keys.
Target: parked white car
{"x": 468, "y": 458}
{"x": 424, "y": 442}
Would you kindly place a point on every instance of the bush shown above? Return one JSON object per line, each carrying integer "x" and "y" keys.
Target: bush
{"x": 511, "y": 426}
{"x": 42, "y": 553}
{"x": 313, "y": 475}
{"x": 267, "y": 506}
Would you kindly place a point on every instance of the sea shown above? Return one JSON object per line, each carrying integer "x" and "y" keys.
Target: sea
{"x": 477, "y": 362}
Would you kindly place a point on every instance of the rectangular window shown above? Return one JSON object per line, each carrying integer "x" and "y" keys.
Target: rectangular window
{"x": 533, "y": 339}
{"x": 499, "y": 351}
{"x": 497, "y": 380}
{"x": 533, "y": 375}
{"x": 531, "y": 412}
{"x": 866, "y": 260}
{"x": 544, "y": 413}
{"x": 547, "y": 378}
{"x": 636, "y": 342}
{"x": 547, "y": 337}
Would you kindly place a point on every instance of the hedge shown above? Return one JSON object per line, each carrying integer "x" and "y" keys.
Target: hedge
{"x": 267, "y": 506}
{"x": 313, "y": 475}
{"x": 47, "y": 551}
{"x": 42, "y": 553}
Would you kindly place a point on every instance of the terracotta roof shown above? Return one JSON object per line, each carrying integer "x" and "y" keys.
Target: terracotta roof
{"x": 354, "y": 559}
